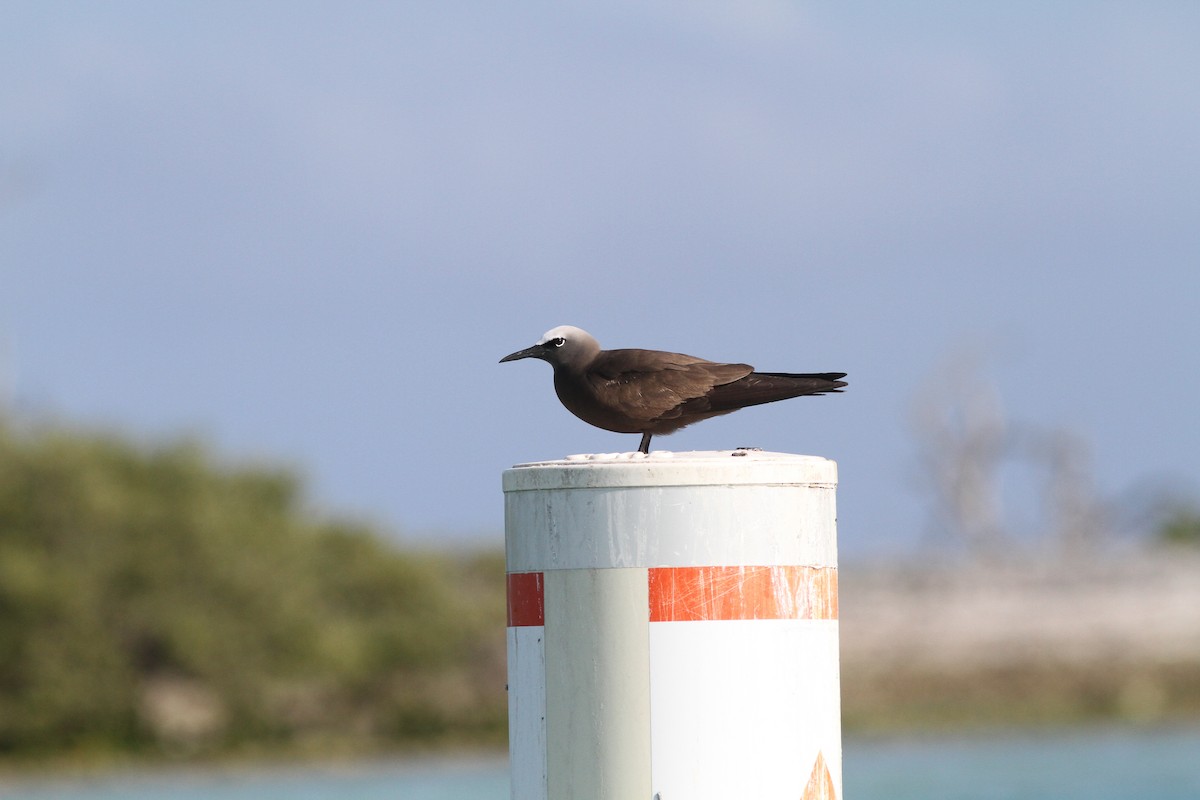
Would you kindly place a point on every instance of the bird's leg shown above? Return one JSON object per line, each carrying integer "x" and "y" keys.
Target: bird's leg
{"x": 644, "y": 447}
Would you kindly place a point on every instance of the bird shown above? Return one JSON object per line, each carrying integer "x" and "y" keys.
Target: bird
{"x": 652, "y": 392}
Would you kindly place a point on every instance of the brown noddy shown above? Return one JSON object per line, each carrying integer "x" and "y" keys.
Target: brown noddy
{"x": 649, "y": 391}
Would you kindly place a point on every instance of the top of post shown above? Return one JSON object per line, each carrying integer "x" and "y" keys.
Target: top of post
{"x": 665, "y": 468}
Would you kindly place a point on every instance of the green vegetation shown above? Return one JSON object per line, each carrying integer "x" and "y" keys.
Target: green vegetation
{"x": 1181, "y": 527}
{"x": 155, "y": 601}
{"x": 1027, "y": 694}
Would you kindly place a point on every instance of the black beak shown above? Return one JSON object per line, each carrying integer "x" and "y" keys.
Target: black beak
{"x": 529, "y": 352}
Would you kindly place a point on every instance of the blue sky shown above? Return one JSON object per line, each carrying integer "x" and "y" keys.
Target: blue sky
{"x": 307, "y": 231}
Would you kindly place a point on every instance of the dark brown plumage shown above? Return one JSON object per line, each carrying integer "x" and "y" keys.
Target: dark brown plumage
{"x": 653, "y": 392}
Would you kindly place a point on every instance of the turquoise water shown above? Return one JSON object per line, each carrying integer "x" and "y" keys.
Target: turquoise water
{"x": 1091, "y": 765}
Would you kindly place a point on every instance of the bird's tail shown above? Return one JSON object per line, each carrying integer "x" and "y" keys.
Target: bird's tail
{"x": 767, "y": 387}
{"x": 830, "y": 377}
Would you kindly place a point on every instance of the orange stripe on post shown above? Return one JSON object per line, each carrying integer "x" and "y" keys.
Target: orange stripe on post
{"x": 692, "y": 594}
{"x": 526, "y": 599}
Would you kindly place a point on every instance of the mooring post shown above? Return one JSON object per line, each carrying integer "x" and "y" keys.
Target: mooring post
{"x": 672, "y": 627}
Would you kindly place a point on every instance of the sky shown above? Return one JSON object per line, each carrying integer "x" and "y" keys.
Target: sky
{"x": 306, "y": 232}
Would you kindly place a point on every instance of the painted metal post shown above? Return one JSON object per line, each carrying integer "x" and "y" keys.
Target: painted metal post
{"x": 672, "y": 627}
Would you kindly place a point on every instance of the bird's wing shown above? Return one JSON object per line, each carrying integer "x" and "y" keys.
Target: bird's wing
{"x": 657, "y": 384}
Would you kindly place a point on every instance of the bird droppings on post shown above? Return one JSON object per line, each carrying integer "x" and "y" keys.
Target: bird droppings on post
{"x": 653, "y": 392}
{"x": 662, "y": 457}
{"x": 633, "y": 456}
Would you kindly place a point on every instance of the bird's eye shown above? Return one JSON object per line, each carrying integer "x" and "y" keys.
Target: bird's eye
{"x": 559, "y": 342}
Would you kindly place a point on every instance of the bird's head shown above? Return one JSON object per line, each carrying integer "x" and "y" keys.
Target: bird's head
{"x": 564, "y": 346}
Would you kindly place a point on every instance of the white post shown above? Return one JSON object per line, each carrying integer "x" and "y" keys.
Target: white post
{"x": 673, "y": 627}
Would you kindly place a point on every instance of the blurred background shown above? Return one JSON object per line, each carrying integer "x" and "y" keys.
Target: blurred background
{"x": 258, "y": 262}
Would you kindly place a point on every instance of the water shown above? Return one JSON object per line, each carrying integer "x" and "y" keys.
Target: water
{"x": 1092, "y": 765}
{"x": 1088, "y": 765}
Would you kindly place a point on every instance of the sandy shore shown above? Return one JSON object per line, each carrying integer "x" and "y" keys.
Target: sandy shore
{"x": 1088, "y": 638}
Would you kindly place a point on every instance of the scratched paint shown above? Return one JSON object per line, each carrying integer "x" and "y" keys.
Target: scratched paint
{"x": 681, "y": 594}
